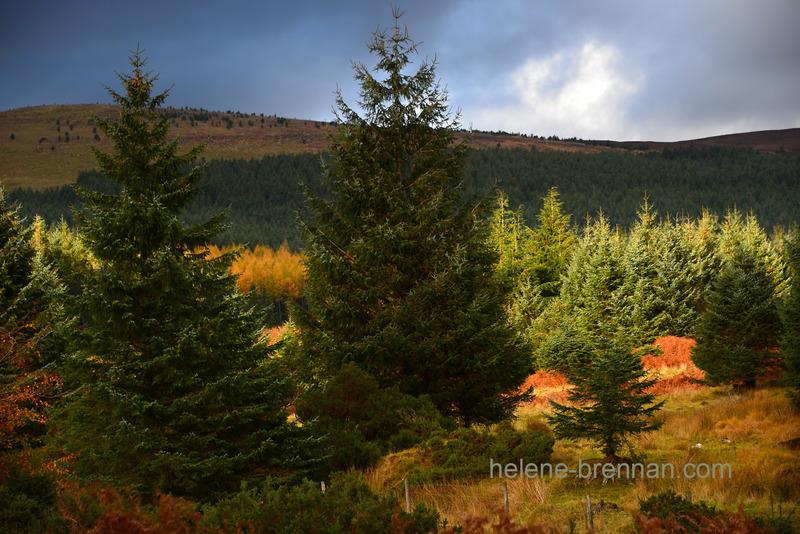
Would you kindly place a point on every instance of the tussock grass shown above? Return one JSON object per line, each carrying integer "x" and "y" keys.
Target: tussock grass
{"x": 742, "y": 430}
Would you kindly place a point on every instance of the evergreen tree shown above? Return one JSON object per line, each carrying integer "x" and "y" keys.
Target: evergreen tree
{"x": 592, "y": 280}
{"x": 659, "y": 293}
{"x": 512, "y": 240}
{"x": 175, "y": 391}
{"x": 552, "y": 245}
{"x": 17, "y": 255}
{"x": 609, "y": 399}
{"x": 29, "y": 313}
{"x": 636, "y": 308}
{"x": 400, "y": 275}
{"x": 678, "y": 283}
{"x": 535, "y": 309}
{"x": 747, "y": 234}
{"x": 790, "y": 316}
{"x": 738, "y": 334}
{"x": 703, "y": 238}
{"x": 564, "y": 349}
{"x": 543, "y": 263}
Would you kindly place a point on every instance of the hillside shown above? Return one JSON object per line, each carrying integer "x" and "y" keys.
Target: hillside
{"x": 49, "y": 144}
{"x": 49, "y": 147}
{"x": 263, "y": 195}
{"x": 766, "y": 141}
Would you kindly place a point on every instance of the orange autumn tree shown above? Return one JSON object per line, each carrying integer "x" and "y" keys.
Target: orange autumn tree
{"x": 276, "y": 273}
{"x": 27, "y": 318}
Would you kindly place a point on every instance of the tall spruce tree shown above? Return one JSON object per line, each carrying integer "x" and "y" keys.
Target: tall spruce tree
{"x": 551, "y": 246}
{"x": 609, "y": 399}
{"x": 659, "y": 294}
{"x": 175, "y": 391}
{"x": 790, "y": 316}
{"x": 738, "y": 334}
{"x": 593, "y": 278}
{"x": 400, "y": 273}
{"x": 512, "y": 239}
{"x": 538, "y": 259}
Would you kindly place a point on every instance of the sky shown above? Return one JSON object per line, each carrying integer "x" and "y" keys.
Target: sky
{"x": 650, "y": 70}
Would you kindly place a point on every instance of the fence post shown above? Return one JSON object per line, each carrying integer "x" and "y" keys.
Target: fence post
{"x": 505, "y": 496}
{"x": 689, "y": 496}
{"x": 589, "y": 520}
{"x": 408, "y": 496}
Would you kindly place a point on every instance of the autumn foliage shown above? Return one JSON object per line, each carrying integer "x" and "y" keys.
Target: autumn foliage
{"x": 25, "y": 322}
{"x": 671, "y": 367}
{"x": 277, "y": 273}
{"x": 22, "y": 390}
{"x": 103, "y": 510}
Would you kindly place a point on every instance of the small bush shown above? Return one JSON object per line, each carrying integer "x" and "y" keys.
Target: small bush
{"x": 465, "y": 453}
{"x": 504, "y": 525}
{"x": 734, "y": 522}
{"x": 669, "y": 504}
{"x": 28, "y": 504}
{"x": 668, "y": 512}
{"x": 349, "y": 505}
{"x": 361, "y": 422}
{"x": 100, "y": 509}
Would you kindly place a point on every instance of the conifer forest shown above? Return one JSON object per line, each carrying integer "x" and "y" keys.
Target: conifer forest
{"x": 401, "y": 333}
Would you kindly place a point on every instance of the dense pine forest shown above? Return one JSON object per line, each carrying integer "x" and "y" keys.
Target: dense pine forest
{"x": 263, "y": 196}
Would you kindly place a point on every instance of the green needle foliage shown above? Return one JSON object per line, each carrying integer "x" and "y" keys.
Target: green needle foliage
{"x": 552, "y": 246}
{"x": 738, "y": 334}
{"x": 790, "y": 317}
{"x": 609, "y": 399}
{"x": 659, "y": 293}
{"x": 593, "y": 278}
{"x": 29, "y": 314}
{"x": 173, "y": 390}
{"x": 400, "y": 275}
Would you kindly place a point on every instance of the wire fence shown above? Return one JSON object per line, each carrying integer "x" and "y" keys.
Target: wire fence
{"x": 491, "y": 498}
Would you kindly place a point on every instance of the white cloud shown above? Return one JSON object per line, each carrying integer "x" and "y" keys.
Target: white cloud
{"x": 578, "y": 92}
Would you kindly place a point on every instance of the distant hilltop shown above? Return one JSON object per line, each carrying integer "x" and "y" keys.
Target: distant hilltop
{"x": 766, "y": 141}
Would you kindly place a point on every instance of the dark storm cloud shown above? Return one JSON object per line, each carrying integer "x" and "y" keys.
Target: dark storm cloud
{"x": 661, "y": 70}
{"x": 723, "y": 66}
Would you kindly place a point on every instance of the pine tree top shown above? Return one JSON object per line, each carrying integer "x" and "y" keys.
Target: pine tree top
{"x": 399, "y": 270}
{"x": 150, "y": 175}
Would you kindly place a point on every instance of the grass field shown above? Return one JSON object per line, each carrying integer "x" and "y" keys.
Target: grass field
{"x": 752, "y": 432}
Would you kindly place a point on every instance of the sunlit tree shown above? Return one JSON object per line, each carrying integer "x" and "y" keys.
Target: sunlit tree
{"x": 400, "y": 276}
{"x": 29, "y": 314}
{"x": 609, "y": 403}
{"x": 172, "y": 388}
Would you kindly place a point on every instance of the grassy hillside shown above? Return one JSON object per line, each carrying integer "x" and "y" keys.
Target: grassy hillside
{"x": 755, "y": 433}
{"x": 49, "y": 146}
{"x": 50, "y": 143}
